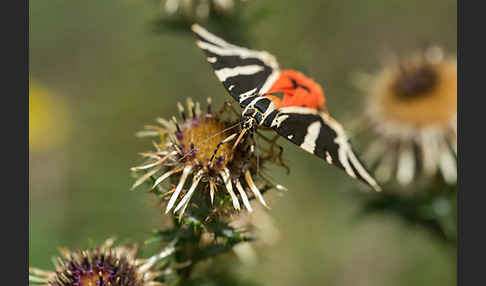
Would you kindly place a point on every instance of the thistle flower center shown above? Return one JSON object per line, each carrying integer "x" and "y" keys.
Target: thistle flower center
{"x": 418, "y": 94}
{"x": 92, "y": 268}
{"x": 94, "y": 279}
{"x": 200, "y": 138}
{"x": 418, "y": 82}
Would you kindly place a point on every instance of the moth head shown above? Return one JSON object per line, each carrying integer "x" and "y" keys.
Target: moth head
{"x": 250, "y": 118}
{"x": 248, "y": 122}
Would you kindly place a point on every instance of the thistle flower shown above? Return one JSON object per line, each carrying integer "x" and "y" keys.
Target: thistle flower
{"x": 198, "y": 9}
{"x": 200, "y": 146}
{"x": 102, "y": 266}
{"x": 412, "y": 110}
{"x": 263, "y": 229}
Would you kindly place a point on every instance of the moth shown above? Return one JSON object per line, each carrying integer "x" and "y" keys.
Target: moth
{"x": 286, "y": 101}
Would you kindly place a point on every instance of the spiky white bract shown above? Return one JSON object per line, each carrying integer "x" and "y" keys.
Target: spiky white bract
{"x": 195, "y": 156}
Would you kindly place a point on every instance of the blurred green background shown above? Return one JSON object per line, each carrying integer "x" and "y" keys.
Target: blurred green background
{"x": 99, "y": 73}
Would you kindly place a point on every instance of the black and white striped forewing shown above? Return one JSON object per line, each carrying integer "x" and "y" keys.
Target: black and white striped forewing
{"x": 243, "y": 72}
{"x": 321, "y": 135}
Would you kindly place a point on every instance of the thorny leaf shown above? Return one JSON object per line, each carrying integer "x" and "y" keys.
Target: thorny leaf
{"x": 433, "y": 207}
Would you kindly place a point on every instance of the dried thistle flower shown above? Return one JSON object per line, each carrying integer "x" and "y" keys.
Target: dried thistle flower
{"x": 102, "y": 266}
{"x": 200, "y": 146}
{"x": 263, "y": 229}
{"x": 412, "y": 109}
{"x": 198, "y": 9}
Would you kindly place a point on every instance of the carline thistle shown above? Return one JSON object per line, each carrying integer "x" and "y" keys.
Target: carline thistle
{"x": 198, "y": 146}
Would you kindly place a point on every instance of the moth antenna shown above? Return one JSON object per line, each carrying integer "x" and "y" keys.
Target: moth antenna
{"x": 252, "y": 150}
{"x": 227, "y": 139}
{"x": 212, "y": 136}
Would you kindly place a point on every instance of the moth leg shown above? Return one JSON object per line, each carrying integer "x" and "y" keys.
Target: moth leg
{"x": 281, "y": 161}
{"x": 277, "y": 159}
{"x": 228, "y": 104}
{"x": 272, "y": 141}
{"x": 252, "y": 150}
{"x": 271, "y": 151}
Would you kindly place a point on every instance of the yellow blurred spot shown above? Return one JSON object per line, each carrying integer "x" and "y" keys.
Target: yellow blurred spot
{"x": 49, "y": 120}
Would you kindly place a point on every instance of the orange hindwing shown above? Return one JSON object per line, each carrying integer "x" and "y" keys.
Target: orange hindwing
{"x": 292, "y": 88}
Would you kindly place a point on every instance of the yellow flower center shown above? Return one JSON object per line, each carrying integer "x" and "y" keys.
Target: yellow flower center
{"x": 420, "y": 94}
{"x": 204, "y": 135}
